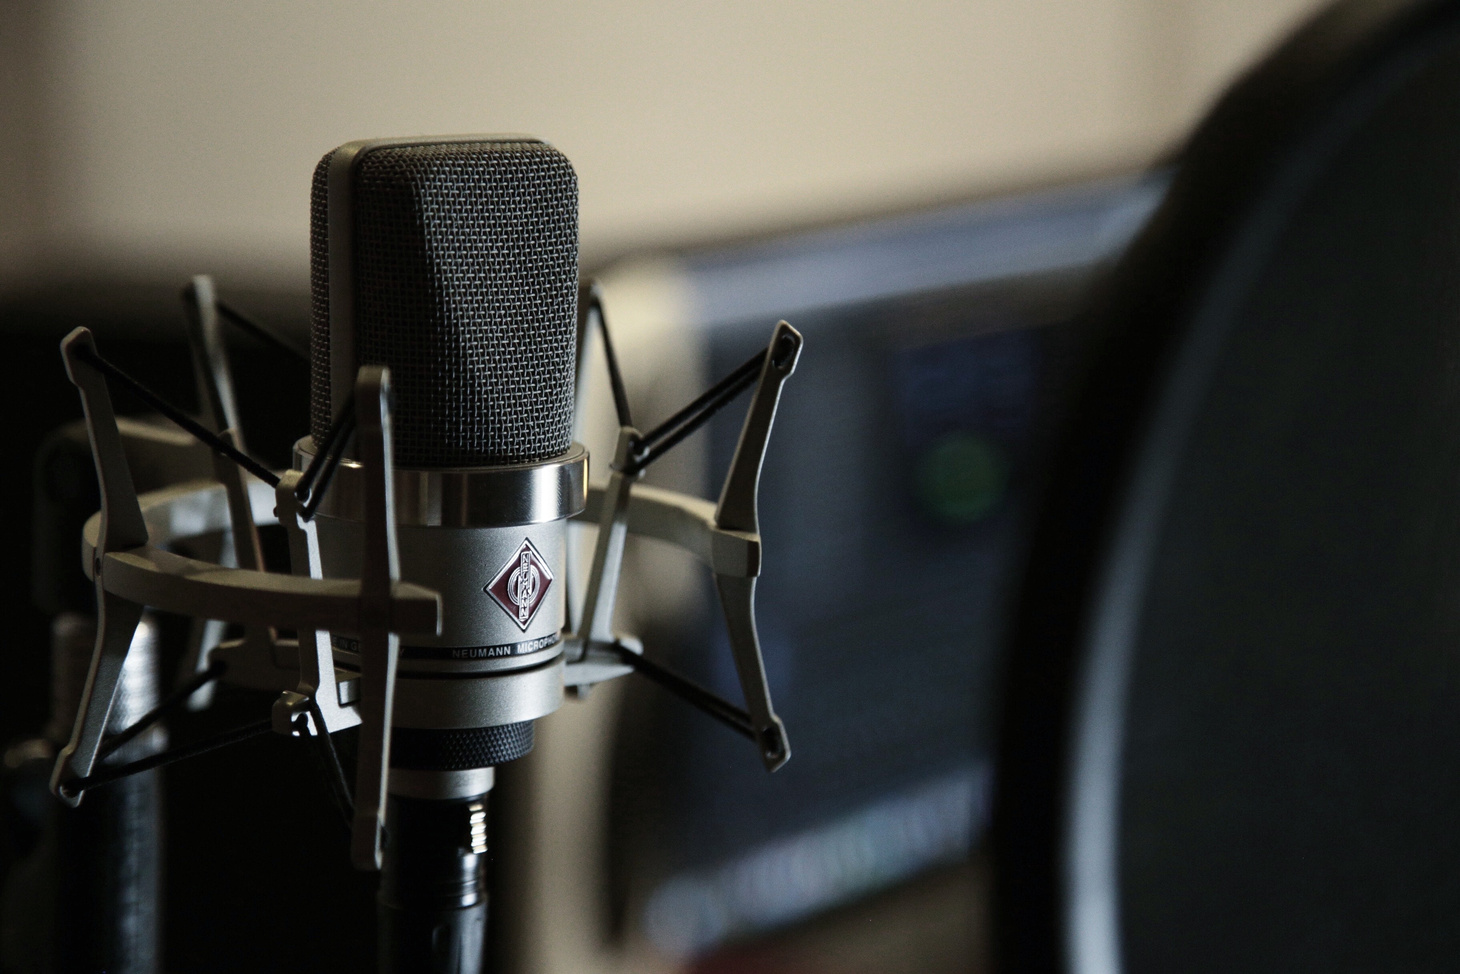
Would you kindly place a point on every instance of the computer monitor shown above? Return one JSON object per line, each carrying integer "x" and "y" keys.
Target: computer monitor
{"x": 891, "y": 511}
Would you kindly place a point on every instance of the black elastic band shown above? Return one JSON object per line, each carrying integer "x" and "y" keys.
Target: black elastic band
{"x": 316, "y": 478}
{"x": 194, "y": 683}
{"x": 107, "y": 775}
{"x": 673, "y": 430}
{"x": 692, "y": 693}
{"x": 590, "y": 300}
{"x": 334, "y": 771}
{"x": 204, "y": 435}
{"x": 257, "y": 330}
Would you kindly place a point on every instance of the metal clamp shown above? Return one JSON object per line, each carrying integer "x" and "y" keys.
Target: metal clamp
{"x": 724, "y": 536}
{"x": 379, "y": 643}
{"x": 121, "y": 528}
{"x": 738, "y": 513}
{"x": 214, "y": 379}
{"x": 316, "y": 699}
{"x": 129, "y": 572}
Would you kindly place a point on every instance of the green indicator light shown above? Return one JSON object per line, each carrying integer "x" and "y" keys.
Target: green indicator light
{"x": 961, "y": 477}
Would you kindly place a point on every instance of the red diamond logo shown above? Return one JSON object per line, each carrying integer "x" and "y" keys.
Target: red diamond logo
{"x": 522, "y": 584}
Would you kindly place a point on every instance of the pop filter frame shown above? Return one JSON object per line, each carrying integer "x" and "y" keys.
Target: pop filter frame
{"x": 1156, "y": 336}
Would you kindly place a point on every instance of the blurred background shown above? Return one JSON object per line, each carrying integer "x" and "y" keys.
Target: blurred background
{"x": 147, "y": 140}
{"x": 924, "y": 190}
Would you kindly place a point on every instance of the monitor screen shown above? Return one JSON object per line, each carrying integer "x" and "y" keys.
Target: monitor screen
{"x": 890, "y": 510}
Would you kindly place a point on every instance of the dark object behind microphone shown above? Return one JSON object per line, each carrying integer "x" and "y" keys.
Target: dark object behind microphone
{"x": 1230, "y": 738}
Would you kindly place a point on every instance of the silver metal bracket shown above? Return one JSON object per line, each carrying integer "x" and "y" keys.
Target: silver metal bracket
{"x": 122, "y": 528}
{"x": 317, "y": 697}
{"x": 123, "y": 551}
{"x": 611, "y": 515}
{"x": 379, "y": 643}
{"x": 219, "y": 405}
{"x": 738, "y": 512}
{"x": 211, "y": 371}
{"x": 724, "y": 536}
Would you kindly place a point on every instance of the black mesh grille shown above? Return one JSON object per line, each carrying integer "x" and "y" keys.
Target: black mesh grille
{"x": 459, "y": 750}
{"x": 319, "y": 299}
{"x": 466, "y": 272}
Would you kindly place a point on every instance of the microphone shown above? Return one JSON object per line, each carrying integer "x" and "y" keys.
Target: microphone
{"x": 454, "y": 264}
{"x": 426, "y": 597}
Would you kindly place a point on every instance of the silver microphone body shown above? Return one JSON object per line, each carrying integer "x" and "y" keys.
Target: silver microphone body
{"x": 453, "y": 262}
{"x": 492, "y": 542}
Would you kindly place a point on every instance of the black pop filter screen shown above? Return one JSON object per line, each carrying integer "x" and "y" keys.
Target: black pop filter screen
{"x": 466, "y": 273}
{"x": 1260, "y": 774}
{"x": 1290, "y": 731}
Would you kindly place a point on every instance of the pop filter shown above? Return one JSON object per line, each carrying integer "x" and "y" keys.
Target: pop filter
{"x": 1232, "y": 719}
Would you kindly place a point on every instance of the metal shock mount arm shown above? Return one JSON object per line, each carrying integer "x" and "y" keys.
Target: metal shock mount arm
{"x": 124, "y": 552}
{"x": 121, "y": 528}
{"x": 738, "y": 514}
{"x": 130, "y": 569}
{"x": 379, "y": 641}
{"x": 213, "y": 377}
{"x": 724, "y": 536}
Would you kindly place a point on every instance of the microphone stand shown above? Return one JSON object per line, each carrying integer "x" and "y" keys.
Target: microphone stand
{"x": 432, "y": 905}
{"x": 88, "y": 896}
{"x": 108, "y": 852}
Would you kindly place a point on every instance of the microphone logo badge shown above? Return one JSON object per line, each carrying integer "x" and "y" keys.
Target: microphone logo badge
{"x": 522, "y": 585}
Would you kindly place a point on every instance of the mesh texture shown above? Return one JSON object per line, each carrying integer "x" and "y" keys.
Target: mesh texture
{"x": 319, "y": 300}
{"x": 459, "y": 750}
{"x": 466, "y": 273}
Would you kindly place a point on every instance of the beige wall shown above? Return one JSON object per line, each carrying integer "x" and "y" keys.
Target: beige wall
{"x": 175, "y": 135}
